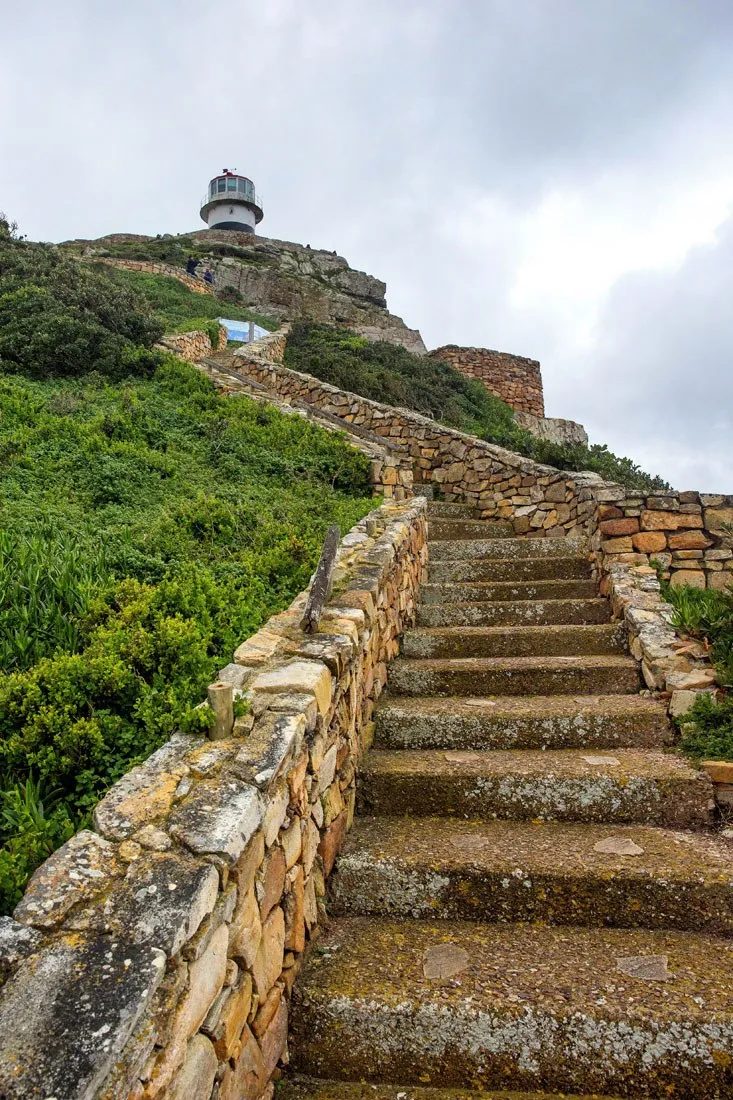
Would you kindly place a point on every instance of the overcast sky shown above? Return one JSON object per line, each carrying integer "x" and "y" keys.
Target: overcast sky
{"x": 548, "y": 177}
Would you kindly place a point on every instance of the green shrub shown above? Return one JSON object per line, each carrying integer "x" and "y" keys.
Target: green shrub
{"x": 148, "y": 528}
{"x": 60, "y": 318}
{"x": 707, "y": 614}
{"x": 386, "y": 372}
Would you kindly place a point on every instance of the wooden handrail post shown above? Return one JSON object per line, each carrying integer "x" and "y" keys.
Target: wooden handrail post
{"x": 321, "y": 587}
{"x": 221, "y": 701}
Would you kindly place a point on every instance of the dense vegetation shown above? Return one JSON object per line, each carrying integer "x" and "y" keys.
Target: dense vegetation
{"x": 179, "y": 309}
{"x": 147, "y": 526}
{"x": 705, "y": 613}
{"x": 386, "y": 372}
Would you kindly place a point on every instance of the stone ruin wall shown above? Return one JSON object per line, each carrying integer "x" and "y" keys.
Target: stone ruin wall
{"x": 154, "y": 956}
{"x": 514, "y": 379}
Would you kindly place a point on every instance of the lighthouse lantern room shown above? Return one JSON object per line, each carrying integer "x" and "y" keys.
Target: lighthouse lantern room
{"x": 231, "y": 203}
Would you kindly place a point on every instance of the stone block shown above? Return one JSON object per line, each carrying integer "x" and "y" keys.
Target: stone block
{"x": 668, "y": 521}
{"x": 720, "y": 580}
{"x": 720, "y": 771}
{"x": 716, "y": 519}
{"x": 163, "y": 900}
{"x": 65, "y": 1020}
{"x": 331, "y": 842}
{"x": 270, "y": 887}
{"x": 311, "y": 677}
{"x": 196, "y": 1076}
{"x": 74, "y": 874}
{"x": 689, "y": 540}
{"x": 649, "y": 542}
{"x": 17, "y": 942}
{"x": 245, "y": 931}
{"x": 268, "y": 963}
{"x": 622, "y": 545}
{"x": 218, "y": 818}
{"x": 145, "y": 793}
{"x": 693, "y": 577}
{"x": 619, "y": 526}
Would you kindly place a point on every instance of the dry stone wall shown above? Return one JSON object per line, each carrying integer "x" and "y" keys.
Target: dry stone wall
{"x": 153, "y": 956}
{"x": 539, "y": 500}
{"x": 514, "y": 379}
{"x": 193, "y": 346}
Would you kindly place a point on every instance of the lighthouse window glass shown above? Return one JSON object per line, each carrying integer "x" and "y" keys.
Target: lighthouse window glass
{"x": 221, "y": 185}
{"x": 242, "y": 186}
{"x": 231, "y": 185}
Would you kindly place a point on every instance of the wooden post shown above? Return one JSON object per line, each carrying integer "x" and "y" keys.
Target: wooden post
{"x": 221, "y": 701}
{"x": 321, "y": 587}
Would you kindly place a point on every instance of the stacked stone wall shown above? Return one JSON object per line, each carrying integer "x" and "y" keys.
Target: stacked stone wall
{"x": 154, "y": 955}
{"x": 195, "y": 345}
{"x": 539, "y": 500}
{"x": 514, "y": 379}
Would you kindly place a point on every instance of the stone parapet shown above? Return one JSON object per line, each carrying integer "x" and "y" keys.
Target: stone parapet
{"x": 513, "y": 378}
{"x": 154, "y": 954}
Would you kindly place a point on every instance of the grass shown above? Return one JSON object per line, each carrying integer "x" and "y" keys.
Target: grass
{"x": 707, "y": 614}
{"x": 391, "y": 374}
{"x": 148, "y": 527}
{"x": 177, "y": 307}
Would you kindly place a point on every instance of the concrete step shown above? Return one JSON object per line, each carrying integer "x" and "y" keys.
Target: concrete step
{"x": 631, "y": 785}
{"x": 464, "y": 528}
{"x": 521, "y": 722}
{"x": 443, "y": 509}
{"x": 510, "y": 570}
{"x": 533, "y": 1007}
{"x": 509, "y": 549}
{"x": 449, "y": 592}
{"x": 308, "y": 1088}
{"x": 524, "y": 871}
{"x": 515, "y": 612}
{"x": 517, "y": 641}
{"x": 514, "y": 676}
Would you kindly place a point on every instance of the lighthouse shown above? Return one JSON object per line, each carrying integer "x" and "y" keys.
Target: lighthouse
{"x": 230, "y": 202}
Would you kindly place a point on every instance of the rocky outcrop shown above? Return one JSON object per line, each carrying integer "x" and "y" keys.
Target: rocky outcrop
{"x": 290, "y": 281}
{"x": 553, "y": 429}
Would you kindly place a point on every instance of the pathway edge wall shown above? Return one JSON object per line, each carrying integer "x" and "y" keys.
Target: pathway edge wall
{"x": 154, "y": 955}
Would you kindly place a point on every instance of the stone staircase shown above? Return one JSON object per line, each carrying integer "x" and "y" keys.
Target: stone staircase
{"x": 529, "y": 899}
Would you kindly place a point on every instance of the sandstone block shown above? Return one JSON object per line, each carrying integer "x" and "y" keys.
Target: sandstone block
{"x": 720, "y": 771}
{"x": 668, "y": 521}
{"x": 721, "y": 580}
{"x": 718, "y": 518}
{"x": 311, "y": 677}
{"x": 294, "y": 906}
{"x": 649, "y": 542}
{"x": 196, "y": 1076}
{"x": 245, "y": 930}
{"x": 273, "y": 880}
{"x": 74, "y": 873}
{"x": 233, "y": 1018}
{"x": 331, "y": 842}
{"x": 269, "y": 960}
{"x": 689, "y": 540}
{"x": 619, "y": 526}
{"x": 247, "y": 1080}
{"x": 693, "y": 577}
{"x": 219, "y": 818}
{"x": 622, "y": 545}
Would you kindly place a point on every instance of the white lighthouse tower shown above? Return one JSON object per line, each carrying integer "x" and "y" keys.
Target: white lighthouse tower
{"x": 231, "y": 203}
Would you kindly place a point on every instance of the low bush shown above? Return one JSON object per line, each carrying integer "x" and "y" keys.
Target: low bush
{"x": 386, "y": 372}
{"x": 59, "y": 318}
{"x": 707, "y": 614}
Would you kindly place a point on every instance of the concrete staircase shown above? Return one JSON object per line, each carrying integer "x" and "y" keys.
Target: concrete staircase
{"x": 529, "y": 899}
